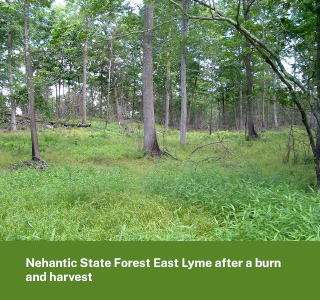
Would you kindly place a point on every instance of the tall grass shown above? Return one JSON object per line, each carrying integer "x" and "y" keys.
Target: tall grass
{"x": 98, "y": 186}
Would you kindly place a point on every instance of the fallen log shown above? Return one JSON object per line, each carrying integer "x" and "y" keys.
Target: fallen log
{"x": 56, "y": 123}
{"x": 66, "y": 124}
{"x": 84, "y": 125}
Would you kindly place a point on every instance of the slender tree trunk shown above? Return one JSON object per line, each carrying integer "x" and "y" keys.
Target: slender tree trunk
{"x": 193, "y": 96}
{"x": 58, "y": 99}
{"x": 109, "y": 85}
{"x": 133, "y": 99}
{"x": 167, "y": 108}
{"x": 183, "y": 121}
{"x": 29, "y": 71}
{"x": 173, "y": 110}
{"x": 211, "y": 117}
{"x": 275, "y": 115}
{"x": 223, "y": 109}
{"x": 248, "y": 62}
{"x": 101, "y": 95}
{"x": 68, "y": 108}
{"x": 240, "y": 109}
{"x": 151, "y": 146}
{"x": 274, "y": 99}
{"x": 84, "y": 85}
{"x": 263, "y": 100}
{"x": 168, "y": 79}
{"x": 11, "y": 98}
{"x": 118, "y": 105}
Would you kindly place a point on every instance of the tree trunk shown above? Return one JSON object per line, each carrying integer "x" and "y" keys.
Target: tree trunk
{"x": 109, "y": 85}
{"x": 263, "y": 101}
{"x": 58, "y": 99}
{"x": 211, "y": 117}
{"x": 100, "y": 95}
{"x": 317, "y": 150}
{"x": 223, "y": 109}
{"x": 248, "y": 62}
{"x": 29, "y": 71}
{"x": 183, "y": 121}
{"x": 167, "y": 108}
{"x": 240, "y": 109}
{"x": 151, "y": 146}
{"x": 168, "y": 79}
{"x": 11, "y": 99}
{"x": 68, "y": 106}
{"x": 274, "y": 99}
{"x": 118, "y": 105}
{"x": 173, "y": 110}
{"x": 84, "y": 85}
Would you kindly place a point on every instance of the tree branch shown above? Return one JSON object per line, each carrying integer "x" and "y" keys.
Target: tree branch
{"x": 213, "y": 143}
{"x": 250, "y": 4}
{"x": 238, "y": 11}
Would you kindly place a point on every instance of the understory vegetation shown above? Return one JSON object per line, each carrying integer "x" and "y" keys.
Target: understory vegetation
{"x": 97, "y": 185}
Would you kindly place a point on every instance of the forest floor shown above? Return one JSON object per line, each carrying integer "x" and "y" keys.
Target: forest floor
{"x": 97, "y": 185}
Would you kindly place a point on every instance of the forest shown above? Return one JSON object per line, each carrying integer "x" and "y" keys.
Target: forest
{"x": 159, "y": 120}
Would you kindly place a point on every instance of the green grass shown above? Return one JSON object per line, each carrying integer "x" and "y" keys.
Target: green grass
{"x": 98, "y": 186}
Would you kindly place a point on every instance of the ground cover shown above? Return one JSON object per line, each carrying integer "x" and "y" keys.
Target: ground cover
{"x": 97, "y": 185}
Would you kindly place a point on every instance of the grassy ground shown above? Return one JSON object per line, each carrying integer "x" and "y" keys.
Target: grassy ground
{"x": 98, "y": 186}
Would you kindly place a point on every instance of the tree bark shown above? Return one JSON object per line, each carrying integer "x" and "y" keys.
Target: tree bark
{"x": 151, "y": 146}
{"x": 248, "y": 62}
{"x": 168, "y": 79}
{"x": 183, "y": 121}
{"x": 29, "y": 71}
{"x": 317, "y": 149}
{"x": 240, "y": 108}
{"x": 274, "y": 98}
{"x": 167, "y": 108}
{"x": 109, "y": 85}
{"x": 84, "y": 85}
{"x": 58, "y": 105}
{"x": 100, "y": 94}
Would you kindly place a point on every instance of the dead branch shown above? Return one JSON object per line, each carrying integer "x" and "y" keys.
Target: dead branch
{"x": 213, "y": 143}
{"x": 168, "y": 154}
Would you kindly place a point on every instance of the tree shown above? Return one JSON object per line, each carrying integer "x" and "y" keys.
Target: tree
{"x": 30, "y": 83}
{"x": 183, "y": 86}
{"x": 248, "y": 62}
{"x": 151, "y": 146}
{"x": 84, "y": 85}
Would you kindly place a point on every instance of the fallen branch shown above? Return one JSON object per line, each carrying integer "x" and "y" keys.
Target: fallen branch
{"x": 213, "y": 143}
{"x": 76, "y": 125}
{"x": 167, "y": 153}
{"x": 83, "y": 125}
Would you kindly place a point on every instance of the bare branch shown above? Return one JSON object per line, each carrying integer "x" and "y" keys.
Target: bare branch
{"x": 168, "y": 154}
{"x": 213, "y": 143}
